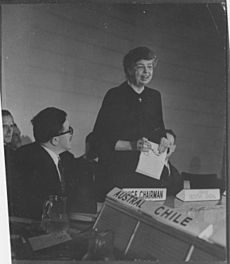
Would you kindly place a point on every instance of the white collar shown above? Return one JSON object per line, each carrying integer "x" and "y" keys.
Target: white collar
{"x": 135, "y": 88}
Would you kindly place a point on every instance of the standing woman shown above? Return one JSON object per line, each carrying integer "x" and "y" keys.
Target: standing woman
{"x": 130, "y": 115}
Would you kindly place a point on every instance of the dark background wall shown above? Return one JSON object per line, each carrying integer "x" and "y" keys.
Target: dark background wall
{"x": 69, "y": 55}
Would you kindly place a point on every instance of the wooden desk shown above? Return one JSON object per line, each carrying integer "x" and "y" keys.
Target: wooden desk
{"x": 142, "y": 231}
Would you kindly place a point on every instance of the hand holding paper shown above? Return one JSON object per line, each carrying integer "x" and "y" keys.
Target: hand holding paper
{"x": 143, "y": 144}
{"x": 151, "y": 163}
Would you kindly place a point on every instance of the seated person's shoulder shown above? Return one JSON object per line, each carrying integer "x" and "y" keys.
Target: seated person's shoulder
{"x": 27, "y": 153}
{"x": 82, "y": 163}
{"x": 68, "y": 160}
{"x": 174, "y": 170}
{"x": 67, "y": 156}
{"x": 26, "y": 149}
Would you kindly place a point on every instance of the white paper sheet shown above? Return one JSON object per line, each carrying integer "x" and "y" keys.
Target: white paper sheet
{"x": 151, "y": 164}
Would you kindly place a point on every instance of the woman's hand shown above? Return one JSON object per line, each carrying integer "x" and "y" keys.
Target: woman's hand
{"x": 143, "y": 145}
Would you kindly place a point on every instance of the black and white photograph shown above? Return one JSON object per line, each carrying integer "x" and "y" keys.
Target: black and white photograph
{"x": 114, "y": 131}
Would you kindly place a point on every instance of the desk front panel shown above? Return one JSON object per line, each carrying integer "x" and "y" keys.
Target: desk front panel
{"x": 152, "y": 243}
{"x": 138, "y": 236}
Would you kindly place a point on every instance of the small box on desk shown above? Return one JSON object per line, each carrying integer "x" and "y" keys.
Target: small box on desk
{"x": 188, "y": 195}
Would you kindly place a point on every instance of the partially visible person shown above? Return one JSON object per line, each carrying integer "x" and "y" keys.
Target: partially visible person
{"x": 170, "y": 177}
{"x": 46, "y": 166}
{"x": 83, "y": 197}
{"x": 12, "y": 176}
{"x": 12, "y": 134}
{"x": 16, "y": 140}
{"x": 130, "y": 117}
{"x": 8, "y": 126}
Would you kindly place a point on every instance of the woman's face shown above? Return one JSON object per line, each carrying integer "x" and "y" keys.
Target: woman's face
{"x": 142, "y": 73}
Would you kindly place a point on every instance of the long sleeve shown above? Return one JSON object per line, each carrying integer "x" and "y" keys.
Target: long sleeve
{"x": 105, "y": 139}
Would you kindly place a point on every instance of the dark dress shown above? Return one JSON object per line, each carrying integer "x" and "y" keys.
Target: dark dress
{"x": 125, "y": 115}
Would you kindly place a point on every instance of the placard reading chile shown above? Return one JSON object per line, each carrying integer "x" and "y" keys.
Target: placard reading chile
{"x": 160, "y": 212}
{"x": 148, "y": 194}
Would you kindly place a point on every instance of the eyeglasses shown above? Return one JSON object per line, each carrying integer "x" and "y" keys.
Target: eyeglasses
{"x": 69, "y": 131}
{"x": 150, "y": 66}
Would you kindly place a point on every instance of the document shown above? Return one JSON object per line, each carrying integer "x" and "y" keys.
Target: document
{"x": 48, "y": 240}
{"x": 150, "y": 163}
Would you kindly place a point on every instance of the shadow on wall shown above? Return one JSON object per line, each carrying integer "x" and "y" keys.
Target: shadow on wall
{"x": 195, "y": 165}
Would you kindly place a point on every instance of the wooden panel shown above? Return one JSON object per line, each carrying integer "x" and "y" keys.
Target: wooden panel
{"x": 201, "y": 255}
{"x": 121, "y": 224}
{"x": 138, "y": 237}
{"x": 151, "y": 243}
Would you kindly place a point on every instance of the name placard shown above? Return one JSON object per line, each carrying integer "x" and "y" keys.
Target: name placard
{"x": 126, "y": 198}
{"x": 148, "y": 194}
{"x": 199, "y": 195}
{"x": 48, "y": 240}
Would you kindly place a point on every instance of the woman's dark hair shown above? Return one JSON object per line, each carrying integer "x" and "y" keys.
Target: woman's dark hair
{"x": 48, "y": 123}
{"x": 134, "y": 55}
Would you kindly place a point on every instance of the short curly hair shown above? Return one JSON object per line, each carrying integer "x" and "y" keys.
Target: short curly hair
{"x": 134, "y": 55}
